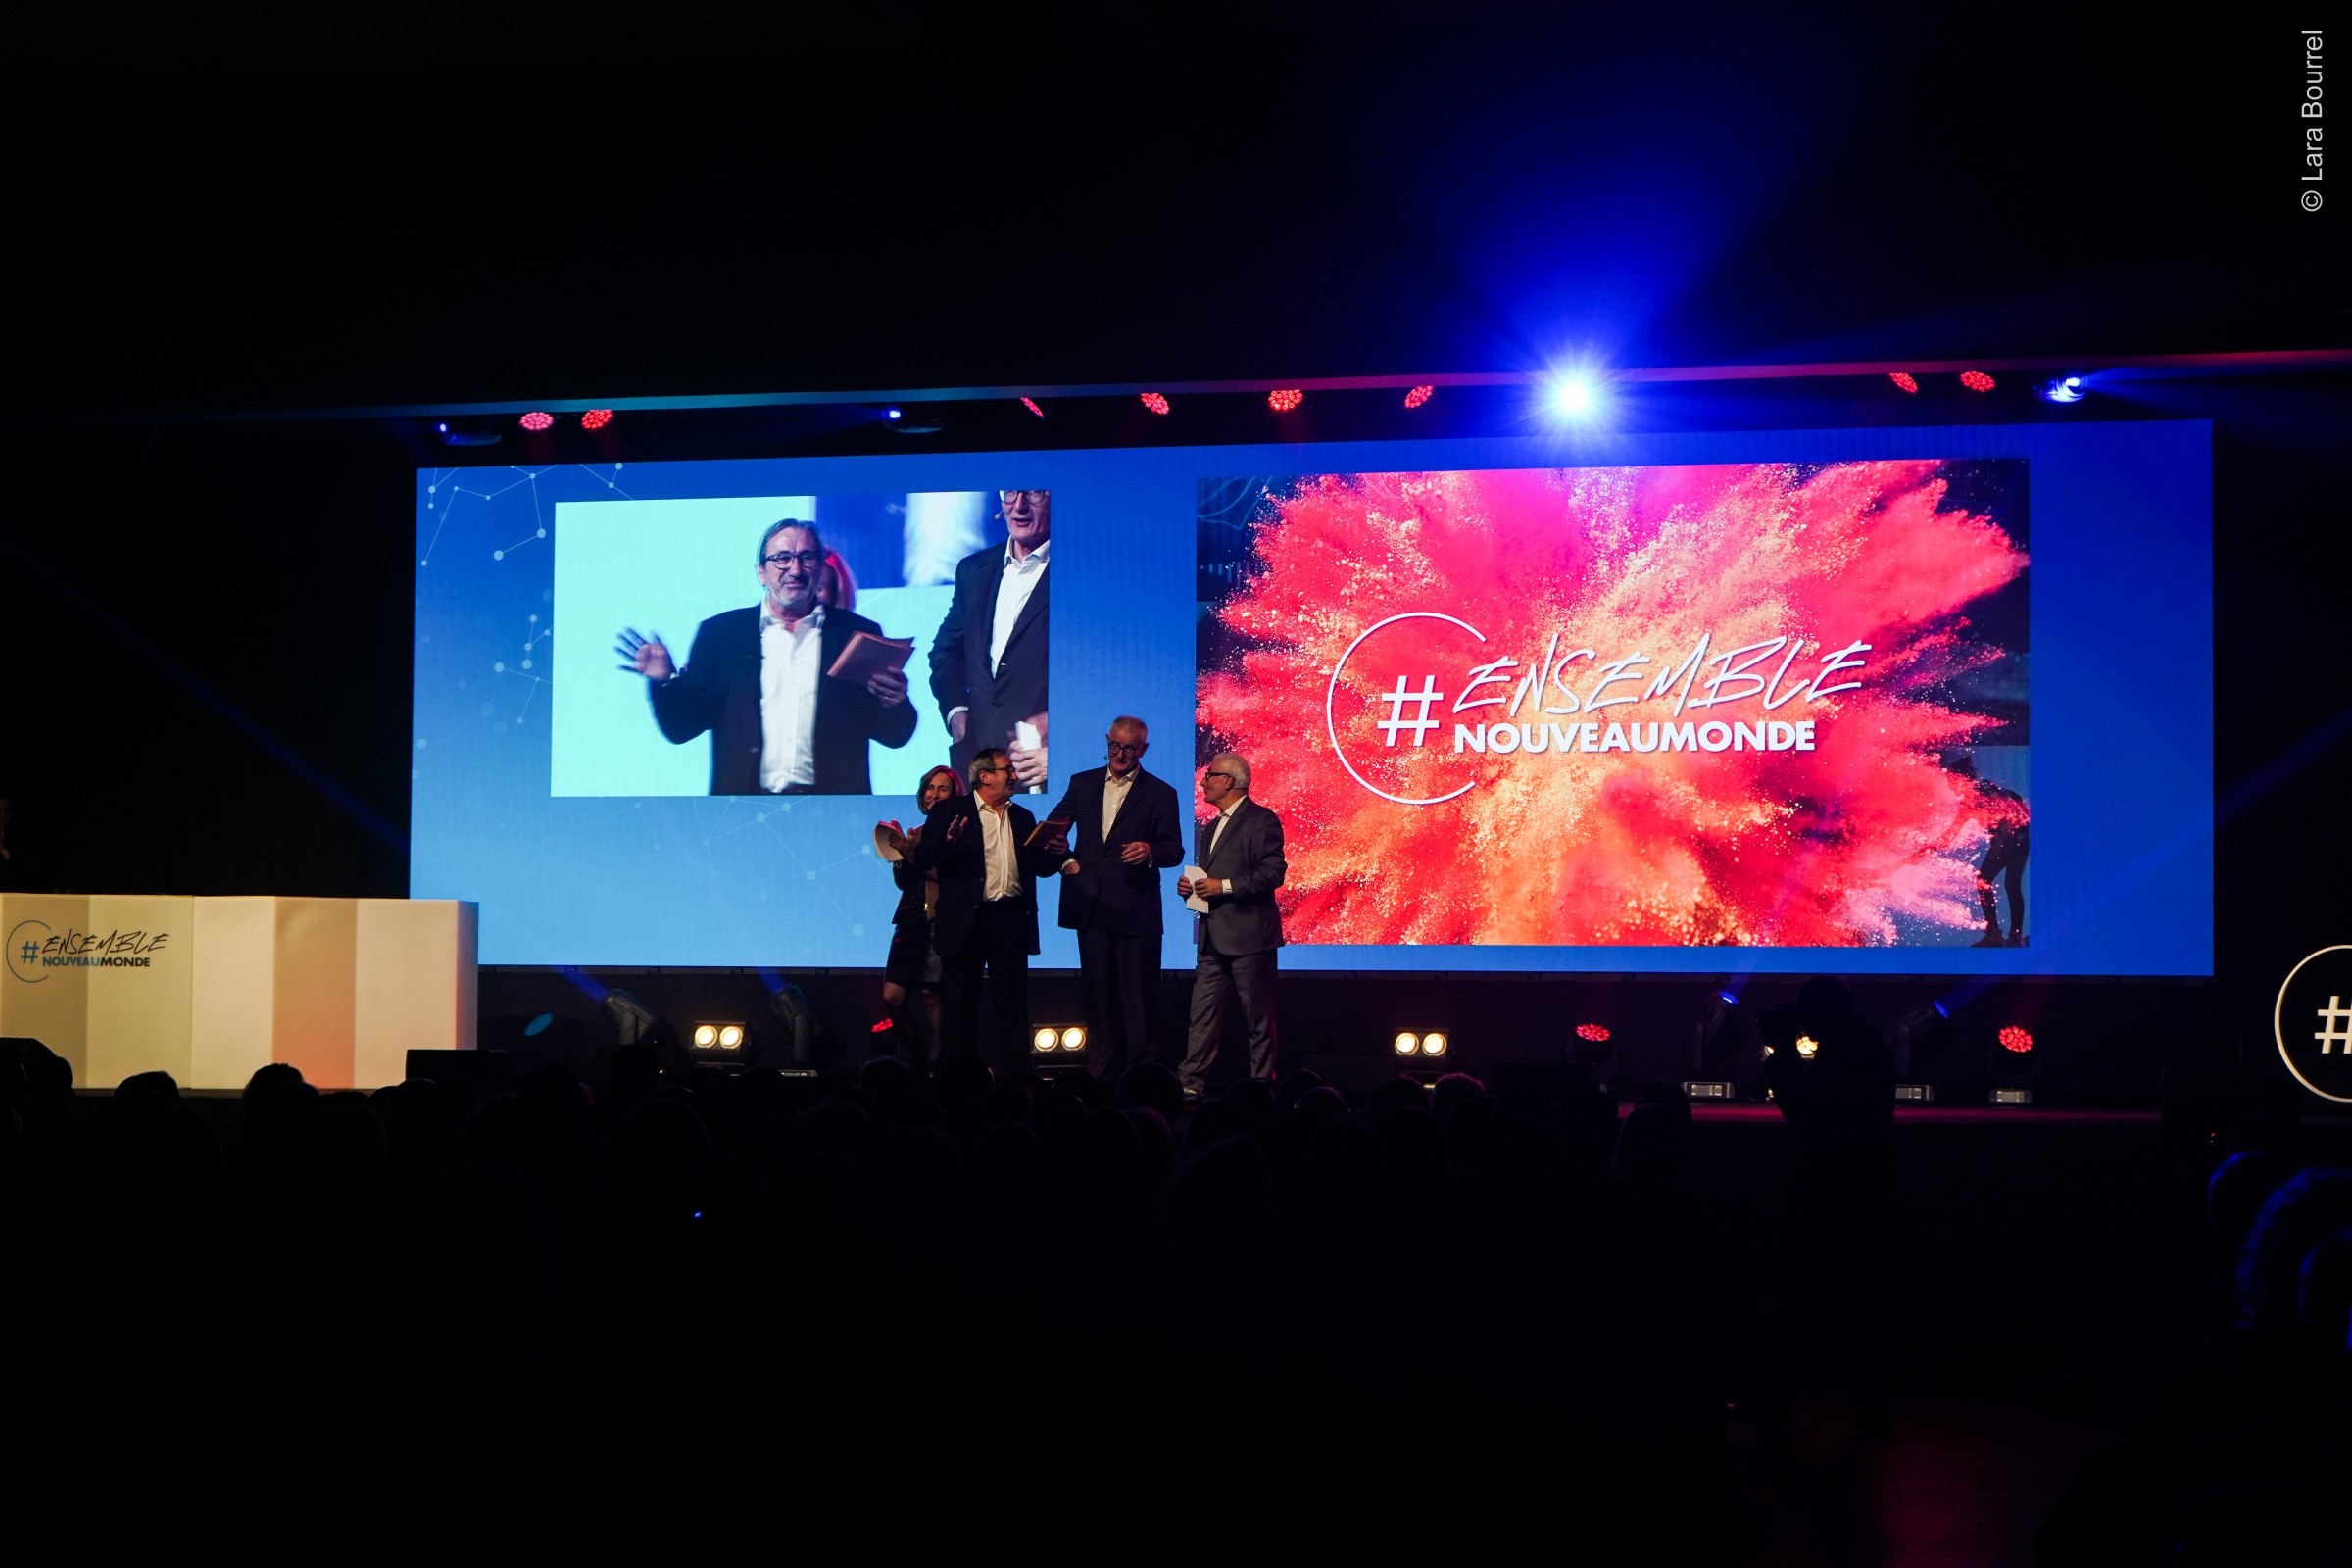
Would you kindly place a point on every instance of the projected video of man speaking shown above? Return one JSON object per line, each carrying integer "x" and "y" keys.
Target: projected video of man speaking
{"x": 841, "y": 645}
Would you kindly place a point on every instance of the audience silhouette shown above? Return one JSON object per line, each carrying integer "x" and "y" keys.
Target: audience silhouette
{"x": 936, "y": 1305}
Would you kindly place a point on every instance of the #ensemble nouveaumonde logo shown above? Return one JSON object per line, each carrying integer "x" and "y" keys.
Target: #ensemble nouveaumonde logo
{"x": 35, "y": 949}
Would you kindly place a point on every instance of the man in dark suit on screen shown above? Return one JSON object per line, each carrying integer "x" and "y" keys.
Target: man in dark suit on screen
{"x": 1242, "y": 864}
{"x": 1124, "y": 828}
{"x": 984, "y": 922}
{"x": 756, "y": 682}
{"x": 988, "y": 661}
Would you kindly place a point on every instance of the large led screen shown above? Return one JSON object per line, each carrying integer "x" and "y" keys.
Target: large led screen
{"x": 1743, "y": 705}
{"x": 1886, "y": 701}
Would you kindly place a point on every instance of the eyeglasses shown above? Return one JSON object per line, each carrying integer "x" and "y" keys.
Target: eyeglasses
{"x": 1126, "y": 749}
{"x": 1032, "y": 497}
{"x": 981, "y": 770}
{"x": 809, "y": 560}
{"x": 1226, "y": 777}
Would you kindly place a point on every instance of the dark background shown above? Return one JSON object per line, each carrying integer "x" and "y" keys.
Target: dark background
{"x": 228, "y": 228}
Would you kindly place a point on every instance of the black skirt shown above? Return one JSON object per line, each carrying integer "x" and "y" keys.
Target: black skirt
{"x": 911, "y": 962}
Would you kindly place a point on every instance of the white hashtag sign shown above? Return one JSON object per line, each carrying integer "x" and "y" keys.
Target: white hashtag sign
{"x": 2335, "y": 1027}
{"x": 1420, "y": 723}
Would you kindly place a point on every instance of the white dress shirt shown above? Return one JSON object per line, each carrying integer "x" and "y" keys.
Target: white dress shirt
{"x": 1114, "y": 796}
{"x": 1020, "y": 580}
{"x": 1218, "y": 832}
{"x": 1003, "y": 879}
{"x": 791, "y": 663}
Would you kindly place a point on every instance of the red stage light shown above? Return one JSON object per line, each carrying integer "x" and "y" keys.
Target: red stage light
{"x": 1031, "y": 404}
{"x": 1902, "y": 379}
{"x": 2015, "y": 1039}
{"x": 1594, "y": 1032}
{"x": 536, "y": 421}
{"x": 1419, "y": 395}
{"x": 884, "y": 1027}
{"x": 1976, "y": 380}
{"x": 1156, "y": 402}
{"x": 596, "y": 418}
{"x": 1284, "y": 399}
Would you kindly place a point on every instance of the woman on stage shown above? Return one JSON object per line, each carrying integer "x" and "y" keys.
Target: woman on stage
{"x": 912, "y": 968}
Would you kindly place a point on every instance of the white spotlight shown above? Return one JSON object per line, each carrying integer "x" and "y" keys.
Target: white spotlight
{"x": 1407, "y": 1043}
{"x": 1575, "y": 396}
{"x": 1433, "y": 1044}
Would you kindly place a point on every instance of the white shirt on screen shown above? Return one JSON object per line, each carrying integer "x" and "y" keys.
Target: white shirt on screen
{"x": 1003, "y": 879}
{"x": 791, "y": 663}
{"x": 1020, "y": 580}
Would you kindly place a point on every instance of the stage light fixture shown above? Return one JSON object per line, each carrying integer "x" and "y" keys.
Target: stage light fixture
{"x": 466, "y": 433}
{"x": 1707, "y": 1067}
{"x": 892, "y": 414}
{"x": 1575, "y": 396}
{"x": 1908, "y": 1030}
{"x": 1596, "y": 1033}
{"x": 1419, "y": 395}
{"x": 1807, "y": 1048}
{"x": 632, "y": 1019}
{"x": 1031, "y": 404}
{"x": 1058, "y": 1046}
{"x": 1407, "y": 1043}
{"x": 809, "y": 1039}
{"x": 2016, "y": 1066}
{"x": 1976, "y": 380}
{"x": 1903, "y": 381}
{"x": 2064, "y": 389}
{"x": 537, "y": 420}
{"x": 1156, "y": 402}
{"x": 596, "y": 418}
{"x": 719, "y": 1040}
{"x": 1282, "y": 400}
{"x": 1434, "y": 1044}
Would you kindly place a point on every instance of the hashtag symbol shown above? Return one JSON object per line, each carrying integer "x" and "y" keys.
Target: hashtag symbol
{"x": 32, "y": 949}
{"x": 2335, "y": 1027}
{"x": 1420, "y": 723}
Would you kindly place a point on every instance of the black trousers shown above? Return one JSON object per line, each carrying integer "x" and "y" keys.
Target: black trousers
{"x": 998, "y": 945}
{"x": 1122, "y": 1016}
{"x": 1223, "y": 977}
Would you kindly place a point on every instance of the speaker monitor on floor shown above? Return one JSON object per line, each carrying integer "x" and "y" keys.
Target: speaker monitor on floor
{"x": 486, "y": 1068}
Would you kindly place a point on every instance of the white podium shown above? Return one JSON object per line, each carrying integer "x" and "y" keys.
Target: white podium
{"x": 209, "y": 989}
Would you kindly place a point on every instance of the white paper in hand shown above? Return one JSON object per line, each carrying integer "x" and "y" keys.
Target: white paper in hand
{"x": 1197, "y": 904}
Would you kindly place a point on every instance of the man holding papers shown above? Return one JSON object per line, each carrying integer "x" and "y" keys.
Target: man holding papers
{"x": 989, "y": 855}
{"x": 1124, "y": 829}
{"x": 787, "y": 691}
{"x": 1240, "y": 866}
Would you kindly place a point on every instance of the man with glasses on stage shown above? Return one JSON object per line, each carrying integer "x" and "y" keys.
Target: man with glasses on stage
{"x": 1242, "y": 865}
{"x": 757, "y": 681}
{"x": 988, "y": 661}
{"x": 1124, "y": 828}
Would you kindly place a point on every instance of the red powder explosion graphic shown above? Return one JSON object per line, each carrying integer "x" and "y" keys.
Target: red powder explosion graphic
{"x": 1634, "y": 845}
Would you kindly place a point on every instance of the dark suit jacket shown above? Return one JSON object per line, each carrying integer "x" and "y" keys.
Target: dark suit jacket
{"x": 960, "y": 677}
{"x": 1247, "y": 919}
{"x": 719, "y": 691}
{"x": 962, "y": 867}
{"x": 1107, "y": 894}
